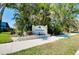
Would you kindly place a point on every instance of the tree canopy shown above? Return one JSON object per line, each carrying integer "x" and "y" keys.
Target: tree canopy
{"x": 59, "y": 17}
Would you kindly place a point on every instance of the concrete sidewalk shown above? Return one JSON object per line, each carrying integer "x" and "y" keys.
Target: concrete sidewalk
{"x": 20, "y": 45}
{"x": 77, "y": 53}
{"x": 17, "y": 46}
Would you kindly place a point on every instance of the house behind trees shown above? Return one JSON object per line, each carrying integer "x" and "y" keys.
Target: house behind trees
{"x": 5, "y": 27}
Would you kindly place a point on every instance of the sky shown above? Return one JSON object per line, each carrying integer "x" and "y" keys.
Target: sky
{"x": 8, "y": 17}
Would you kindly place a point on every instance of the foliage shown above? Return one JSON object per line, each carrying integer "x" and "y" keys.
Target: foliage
{"x": 58, "y": 15}
{"x": 31, "y": 14}
{"x": 65, "y": 14}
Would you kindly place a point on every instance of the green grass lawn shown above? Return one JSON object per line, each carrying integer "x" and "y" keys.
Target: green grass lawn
{"x": 5, "y": 37}
{"x": 66, "y": 46}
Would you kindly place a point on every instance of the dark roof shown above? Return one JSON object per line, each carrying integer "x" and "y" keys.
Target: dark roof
{"x": 4, "y": 24}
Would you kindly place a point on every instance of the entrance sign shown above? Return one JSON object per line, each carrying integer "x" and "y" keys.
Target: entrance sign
{"x": 39, "y": 30}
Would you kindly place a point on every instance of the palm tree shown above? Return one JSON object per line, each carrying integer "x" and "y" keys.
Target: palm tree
{"x": 31, "y": 14}
{"x": 66, "y": 14}
{"x": 23, "y": 17}
{"x": 57, "y": 17}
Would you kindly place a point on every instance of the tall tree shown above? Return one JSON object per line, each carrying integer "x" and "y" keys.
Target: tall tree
{"x": 65, "y": 14}
{"x": 32, "y": 14}
{"x": 58, "y": 17}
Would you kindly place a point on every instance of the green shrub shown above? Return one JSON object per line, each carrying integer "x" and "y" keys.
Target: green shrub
{"x": 55, "y": 28}
{"x": 58, "y": 29}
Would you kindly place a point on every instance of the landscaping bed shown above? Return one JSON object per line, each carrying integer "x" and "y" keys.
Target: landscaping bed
{"x": 67, "y": 46}
{"x": 5, "y": 37}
